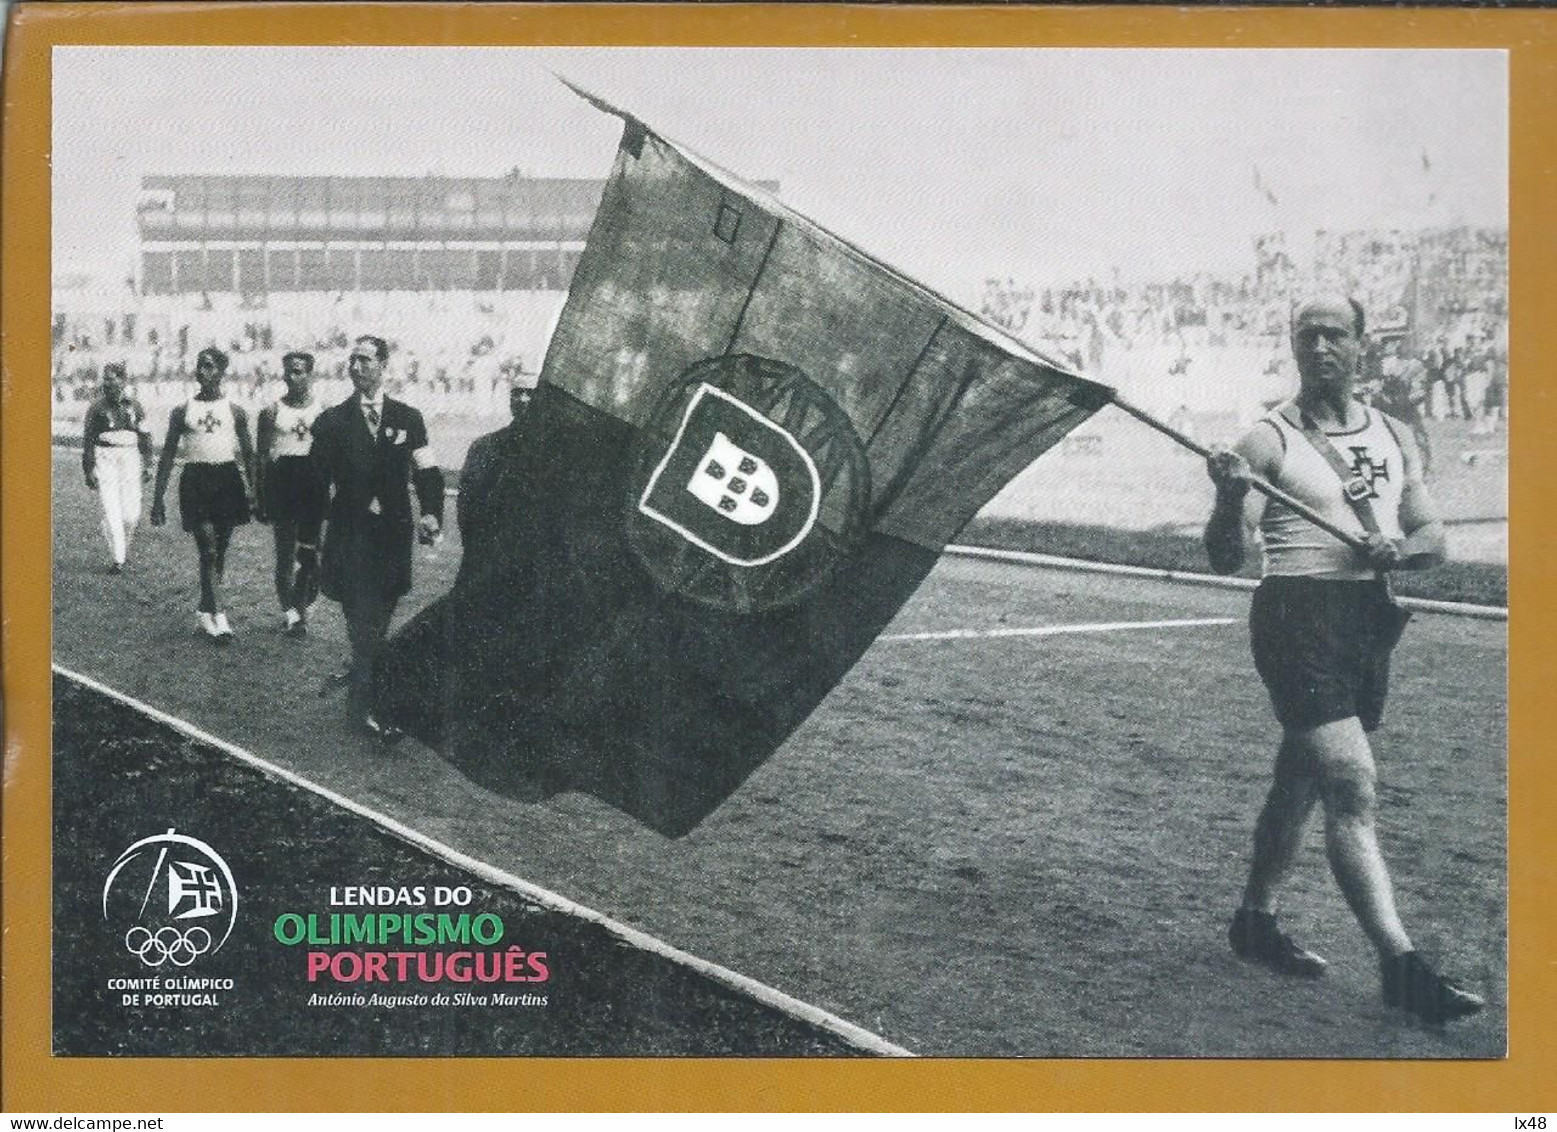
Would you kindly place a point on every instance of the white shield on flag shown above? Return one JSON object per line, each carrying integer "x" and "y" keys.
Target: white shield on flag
{"x": 736, "y": 483}
{"x": 732, "y": 482}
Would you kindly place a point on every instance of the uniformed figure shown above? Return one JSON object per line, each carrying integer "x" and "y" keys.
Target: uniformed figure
{"x": 486, "y": 457}
{"x": 1322, "y": 627}
{"x": 215, "y": 493}
{"x": 116, "y": 458}
{"x": 370, "y": 449}
{"x": 291, "y": 492}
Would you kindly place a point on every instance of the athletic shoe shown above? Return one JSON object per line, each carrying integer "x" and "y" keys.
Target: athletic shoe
{"x": 294, "y": 624}
{"x": 116, "y": 567}
{"x": 208, "y": 625}
{"x": 1411, "y": 984}
{"x": 1255, "y": 936}
{"x": 223, "y": 629}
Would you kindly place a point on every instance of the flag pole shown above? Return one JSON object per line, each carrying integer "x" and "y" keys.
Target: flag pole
{"x": 1268, "y": 490}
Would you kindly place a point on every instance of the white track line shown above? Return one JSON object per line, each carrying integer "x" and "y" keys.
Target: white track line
{"x": 856, "y": 1035}
{"x": 1057, "y": 630}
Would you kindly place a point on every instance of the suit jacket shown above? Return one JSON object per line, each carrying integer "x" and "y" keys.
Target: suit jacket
{"x": 484, "y": 463}
{"x": 371, "y": 524}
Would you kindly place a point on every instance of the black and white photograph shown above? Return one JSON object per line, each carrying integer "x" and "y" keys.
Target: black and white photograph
{"x": 780, "y": 552}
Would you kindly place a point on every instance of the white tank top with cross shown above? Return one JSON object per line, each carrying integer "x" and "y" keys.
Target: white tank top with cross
{"x": 293, "y": 435}
{"x": 1293, "y": 545}
{"x": 210, "y": 432}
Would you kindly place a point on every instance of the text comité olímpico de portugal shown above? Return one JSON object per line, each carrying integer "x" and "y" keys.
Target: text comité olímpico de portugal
{"x": 405, "y": 948}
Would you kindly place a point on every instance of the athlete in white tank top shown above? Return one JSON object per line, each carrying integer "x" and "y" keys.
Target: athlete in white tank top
{"x": 218, "y": 471}
{"x": 285, "y": 441}
{"x": 1320, "y": 626}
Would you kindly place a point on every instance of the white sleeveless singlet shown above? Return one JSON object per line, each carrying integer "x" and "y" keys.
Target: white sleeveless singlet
{"x": 293, "y": 435}
{"x": 210, "y": 432}
{"x": 1293, "y": 545}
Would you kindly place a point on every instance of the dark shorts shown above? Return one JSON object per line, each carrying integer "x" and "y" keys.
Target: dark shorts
{"x": 294, "y": 492}
{"x": 1323, "y": 648}
{"x": 212, "y": 493}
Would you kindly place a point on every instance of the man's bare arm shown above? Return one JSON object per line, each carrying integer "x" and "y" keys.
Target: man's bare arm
{"x": 266, "y": 438}
{"x": 165, "y": 464}
{"x": 1424, "y": 545}
{"x": 240, "y": 425}
{"x": 1235, "y": 516}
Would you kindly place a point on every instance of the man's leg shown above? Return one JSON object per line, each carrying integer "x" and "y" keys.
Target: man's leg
{"x": 130, "y": 500}
{"x": 111, "y": 495}
{"x": 210, "y": 586}
{"x": 119, "y": 491}
{"x": 305, "y": 589}
{"x": 1347, "y": 785}
{"x": 368, "y": 613}
{"x": 1279, "y": 830}
{"x": 221, "y": 536}
{"x": 1278, "y": 836}
{"x": 284, "y": 531}
{"x": 359, "y": 635}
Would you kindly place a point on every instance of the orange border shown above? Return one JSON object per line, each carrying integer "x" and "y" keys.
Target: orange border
{"x": 32, "y": 1080}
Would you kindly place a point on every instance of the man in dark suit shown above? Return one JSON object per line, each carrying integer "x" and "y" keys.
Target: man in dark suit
{"x": 484, "y": 461}
{"x": 371, "y": 450}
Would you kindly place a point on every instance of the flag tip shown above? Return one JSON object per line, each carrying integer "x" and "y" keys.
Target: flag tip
{"x": 593, "y": 99}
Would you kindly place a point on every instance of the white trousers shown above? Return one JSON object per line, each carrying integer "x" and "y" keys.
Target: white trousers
{"x": 119, "y": 488}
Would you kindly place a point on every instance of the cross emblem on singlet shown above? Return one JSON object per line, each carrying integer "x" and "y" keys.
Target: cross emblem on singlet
{"x": 300, "y": 429}
{"x": 1368, "y": 470}
{"x": 209, "y": 423}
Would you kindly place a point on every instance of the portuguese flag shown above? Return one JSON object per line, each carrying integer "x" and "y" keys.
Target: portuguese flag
{"x": 749, "y": 443}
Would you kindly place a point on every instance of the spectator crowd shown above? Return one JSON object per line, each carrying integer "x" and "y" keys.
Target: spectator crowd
{"x": 1436, "y": 302}
{"x": 450, "y": 349}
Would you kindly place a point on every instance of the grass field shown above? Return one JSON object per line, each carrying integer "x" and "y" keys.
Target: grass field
{"x": 985, "y": 846}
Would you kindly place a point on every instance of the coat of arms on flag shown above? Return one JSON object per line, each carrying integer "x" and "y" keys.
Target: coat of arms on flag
{"x": 749, "y": 444}
{"x": 755, "y": 466}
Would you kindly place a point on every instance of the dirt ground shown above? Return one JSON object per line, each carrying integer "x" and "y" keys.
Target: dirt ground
{"x": 998, "y": 847}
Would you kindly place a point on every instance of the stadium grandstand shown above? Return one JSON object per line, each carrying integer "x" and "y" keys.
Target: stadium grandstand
{"x": 253, "y": 236}
{"x": 465, "y": 276}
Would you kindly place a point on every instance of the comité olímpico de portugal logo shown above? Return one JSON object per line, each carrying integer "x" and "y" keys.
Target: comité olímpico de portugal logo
{"x": 750, "y": 485}
{"x": 170, "y": 900}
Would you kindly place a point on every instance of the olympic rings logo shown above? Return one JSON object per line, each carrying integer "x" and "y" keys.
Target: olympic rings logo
{"x": 170, "y": 899}
{"x": 167, "y": 945}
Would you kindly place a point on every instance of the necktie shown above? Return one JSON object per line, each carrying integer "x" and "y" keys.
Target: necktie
{"x": 372, "y": 412}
